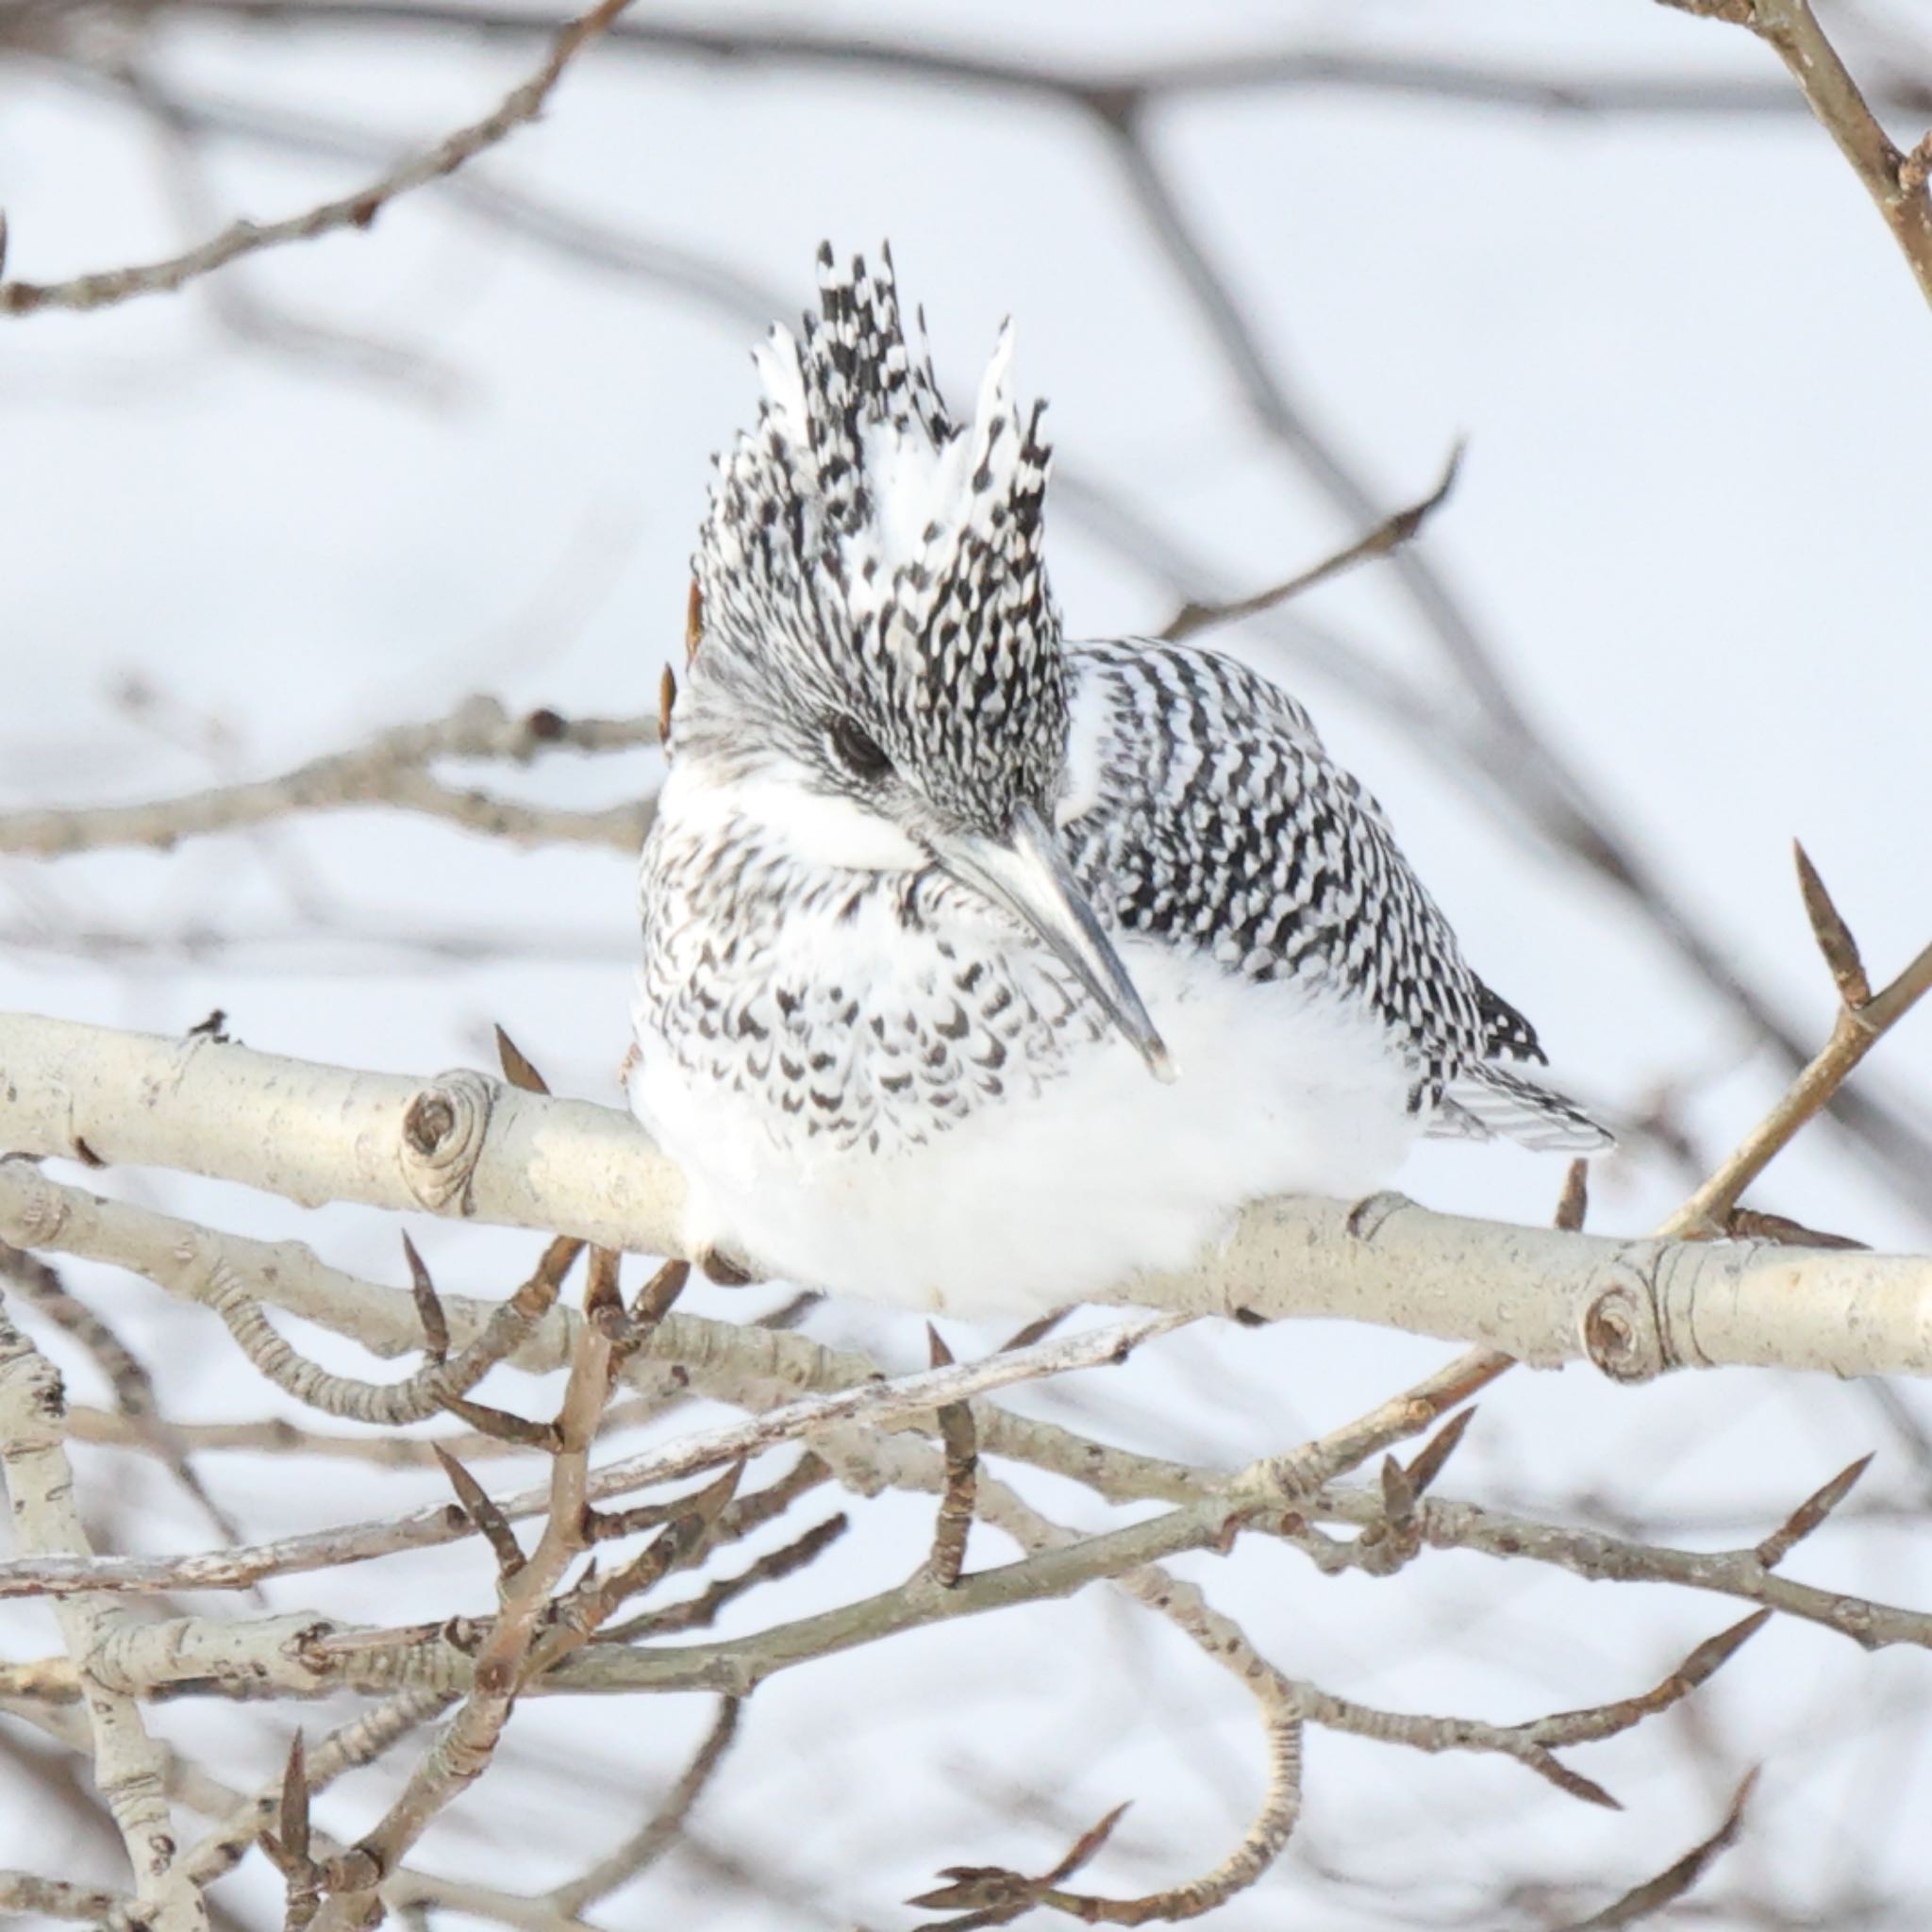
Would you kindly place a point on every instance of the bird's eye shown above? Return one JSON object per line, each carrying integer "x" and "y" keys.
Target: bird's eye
{"x": 857, "y": 750}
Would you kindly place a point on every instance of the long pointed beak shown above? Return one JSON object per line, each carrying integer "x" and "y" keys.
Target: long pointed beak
{"x": 1027, "y": 875}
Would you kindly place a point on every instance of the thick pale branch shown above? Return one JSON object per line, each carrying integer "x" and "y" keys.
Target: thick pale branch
{"x": 128, "y": 1762}
{"x": 465, "y": 1145}
{"x": 461, "y": 1144}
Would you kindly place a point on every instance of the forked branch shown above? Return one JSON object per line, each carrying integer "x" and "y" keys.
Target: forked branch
{"x": 1863, "y": 1019}
{"x": 1895, "y": 180}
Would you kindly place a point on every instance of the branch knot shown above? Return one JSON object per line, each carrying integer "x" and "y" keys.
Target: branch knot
{"x": 443, "y": 1130}
{"x": 1622, "y": 1333}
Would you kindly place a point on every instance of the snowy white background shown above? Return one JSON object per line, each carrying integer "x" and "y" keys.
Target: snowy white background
{"x": 1698, "y": 384}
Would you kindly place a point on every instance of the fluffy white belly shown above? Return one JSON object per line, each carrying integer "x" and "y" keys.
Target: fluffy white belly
{"x": 1054, "y": 1196}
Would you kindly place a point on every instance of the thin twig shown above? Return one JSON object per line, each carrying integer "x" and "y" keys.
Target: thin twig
{"x": 702, "y": 1611}
{"x": 660, "y": 1831}
{"x": 1895, "y": 184}
{"x": 392, "y": 769}
{"x": 1276, "y": 64}
{"x": 356, "y": 210}
{"x": 882, "y": 1401}
{"x": 1389, "y": 534}
{"x": 465, "y": 1749}
{"x": 274, "y": 1435}
{"x": 439, "y": 1385}
{"x": 361, "y": 1741}
{"x": 1646, "y": 1900}
{"x": 1855, "y": 1032}
{"x": 957, "y": 1506}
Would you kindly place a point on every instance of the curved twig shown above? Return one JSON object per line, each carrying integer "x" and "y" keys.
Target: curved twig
{"x": 358, "y": 211}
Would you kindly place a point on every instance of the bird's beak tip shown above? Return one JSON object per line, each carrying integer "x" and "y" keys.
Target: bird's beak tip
{"x": 1028, "y": 873}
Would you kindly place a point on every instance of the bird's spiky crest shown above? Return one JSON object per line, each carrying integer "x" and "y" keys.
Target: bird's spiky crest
{"x": 885, "y": 563}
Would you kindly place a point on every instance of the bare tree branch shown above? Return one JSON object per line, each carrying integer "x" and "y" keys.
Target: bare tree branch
{"x": 1893, "y": 179}
{"x": 1265, "y": 67}
{"x": 356, "y": 210}
{"x": 391, "y": 770}
{"x": 127, "y": 1762}
{"x": 1653, "y": 1895}
{"x": 1389, "y": 534}
{"x": 1863, "y": 1019}
{"x": 133, "y": 1387}
{"x": 54, "y": 1898}
{"x": 661, "y": 1829}
{"x": 463, "y": 1750}
{"x": 877, "y": 1402}
{"x": 463, "y": 1145}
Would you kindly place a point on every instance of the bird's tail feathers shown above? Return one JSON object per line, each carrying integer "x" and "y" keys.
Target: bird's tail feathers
{"x": 1485, "y": 1101}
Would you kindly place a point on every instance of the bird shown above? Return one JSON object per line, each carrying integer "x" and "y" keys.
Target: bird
{"x": 983, "y": 968}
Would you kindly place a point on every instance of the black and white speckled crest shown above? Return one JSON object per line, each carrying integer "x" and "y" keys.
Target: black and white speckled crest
{"x": 863, "y": 558}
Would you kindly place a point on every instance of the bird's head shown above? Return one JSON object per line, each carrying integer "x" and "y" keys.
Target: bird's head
{"x": 877, "y": 664}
